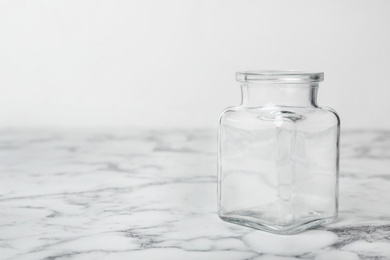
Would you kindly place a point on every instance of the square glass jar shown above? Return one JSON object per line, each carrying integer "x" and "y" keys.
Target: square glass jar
{"x": 278, "y": 154}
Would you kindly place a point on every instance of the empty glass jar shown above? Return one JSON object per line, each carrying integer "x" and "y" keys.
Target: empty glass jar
{"x": 278, "y": 154}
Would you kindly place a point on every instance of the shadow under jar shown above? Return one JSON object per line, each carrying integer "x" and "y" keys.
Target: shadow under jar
{"x": 278, "y": 154}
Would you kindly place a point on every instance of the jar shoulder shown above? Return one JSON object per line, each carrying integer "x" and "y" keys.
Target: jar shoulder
{"x": 265, "y": 115}
{"x": 332, "y": 113}
{"x": 228, "y": 112}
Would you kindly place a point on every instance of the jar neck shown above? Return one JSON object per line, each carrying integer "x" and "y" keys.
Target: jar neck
{"x": 271, "y": 94}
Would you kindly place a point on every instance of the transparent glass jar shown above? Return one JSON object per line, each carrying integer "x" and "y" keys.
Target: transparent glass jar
{"x": 278, "y": 154}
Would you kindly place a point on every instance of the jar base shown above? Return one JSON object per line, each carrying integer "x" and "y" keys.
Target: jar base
{"x": 290, "y": 229}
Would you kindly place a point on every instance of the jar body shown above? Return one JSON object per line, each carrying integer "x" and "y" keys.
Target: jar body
{"x": 278, "y": 167}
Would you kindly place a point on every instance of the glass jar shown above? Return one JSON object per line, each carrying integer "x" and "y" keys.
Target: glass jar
{"x": 278, "y": 154}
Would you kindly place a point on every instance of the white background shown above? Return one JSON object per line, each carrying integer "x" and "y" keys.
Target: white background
{"x": 172, "y": 63}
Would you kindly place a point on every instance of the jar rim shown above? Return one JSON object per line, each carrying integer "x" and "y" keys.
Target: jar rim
{"x": 279, "y": 76}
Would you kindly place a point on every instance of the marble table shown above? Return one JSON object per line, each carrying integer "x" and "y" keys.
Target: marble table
{"x": 151, "y": 194}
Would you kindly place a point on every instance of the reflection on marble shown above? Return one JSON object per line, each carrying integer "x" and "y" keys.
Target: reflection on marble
{"x": 136, "y": 194}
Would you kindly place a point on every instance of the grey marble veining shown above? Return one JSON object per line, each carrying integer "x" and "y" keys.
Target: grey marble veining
{"x": 144, "y": 194}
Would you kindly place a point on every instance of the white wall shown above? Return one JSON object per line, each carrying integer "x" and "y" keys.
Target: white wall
{"x": 172, "y": 63}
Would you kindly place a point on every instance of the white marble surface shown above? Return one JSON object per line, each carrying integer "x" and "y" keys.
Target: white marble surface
{"x": 143, "y": 194}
